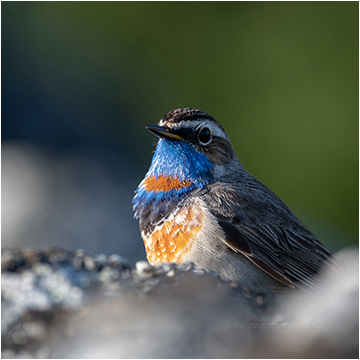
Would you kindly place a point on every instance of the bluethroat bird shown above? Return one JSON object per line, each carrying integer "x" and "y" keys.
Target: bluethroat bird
{"x": 198, "y": 204}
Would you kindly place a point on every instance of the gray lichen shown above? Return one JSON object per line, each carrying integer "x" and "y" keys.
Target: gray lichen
{"x": 60, "y": 304}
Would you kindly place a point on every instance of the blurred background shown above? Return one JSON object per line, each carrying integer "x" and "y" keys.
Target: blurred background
{"x": 80, "y": 80}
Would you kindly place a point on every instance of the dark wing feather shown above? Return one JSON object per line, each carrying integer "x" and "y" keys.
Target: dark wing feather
{"x": 237, "y": 242}
{"x": 259, "y": 225}
{"x": 235, "y": 239}
{"x": 272, "y": 272}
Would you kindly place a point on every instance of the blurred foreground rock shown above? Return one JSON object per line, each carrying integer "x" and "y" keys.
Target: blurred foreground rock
{"x": 60, "y": 304}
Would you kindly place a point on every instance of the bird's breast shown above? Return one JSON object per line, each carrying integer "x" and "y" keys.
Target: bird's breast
{"x": 174, "y": 238}
{"x": 164, "y": 183}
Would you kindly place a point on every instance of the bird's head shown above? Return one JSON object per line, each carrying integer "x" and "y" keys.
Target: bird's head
{"x": 199, "y": 140}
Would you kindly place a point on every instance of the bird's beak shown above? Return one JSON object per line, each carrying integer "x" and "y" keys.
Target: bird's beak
{"x": 163, "y": 132}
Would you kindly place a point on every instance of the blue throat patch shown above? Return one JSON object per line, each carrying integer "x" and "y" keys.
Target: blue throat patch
{"x": 175, "y": 159}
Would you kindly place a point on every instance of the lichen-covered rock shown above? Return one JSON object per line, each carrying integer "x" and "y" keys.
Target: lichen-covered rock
{"x": 60, "y": 304}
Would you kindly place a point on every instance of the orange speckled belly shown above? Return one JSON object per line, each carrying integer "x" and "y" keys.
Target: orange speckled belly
{"x": 174, "y": 238}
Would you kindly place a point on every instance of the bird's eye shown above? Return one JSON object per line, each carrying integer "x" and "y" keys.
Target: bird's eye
{"x": 204, "y": 136}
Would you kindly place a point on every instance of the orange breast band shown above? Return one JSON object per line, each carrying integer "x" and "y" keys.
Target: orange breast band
{"x": 175, "y": 238}
{"x": 164, "y": 183}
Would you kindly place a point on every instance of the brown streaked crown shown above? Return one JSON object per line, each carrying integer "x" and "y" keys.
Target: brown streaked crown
{"x": 184, "y": 114}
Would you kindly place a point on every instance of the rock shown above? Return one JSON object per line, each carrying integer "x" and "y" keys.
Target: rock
{"x": 60, "y": 304}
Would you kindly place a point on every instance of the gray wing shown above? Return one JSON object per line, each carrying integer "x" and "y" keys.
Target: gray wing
{"x": 261, "y": 227}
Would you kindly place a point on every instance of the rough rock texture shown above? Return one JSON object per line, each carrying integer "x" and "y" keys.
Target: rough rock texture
{"x": 60, "y": 304}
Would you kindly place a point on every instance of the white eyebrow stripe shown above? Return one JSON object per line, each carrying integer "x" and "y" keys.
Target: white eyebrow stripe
{"x": 214, "y": 128}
